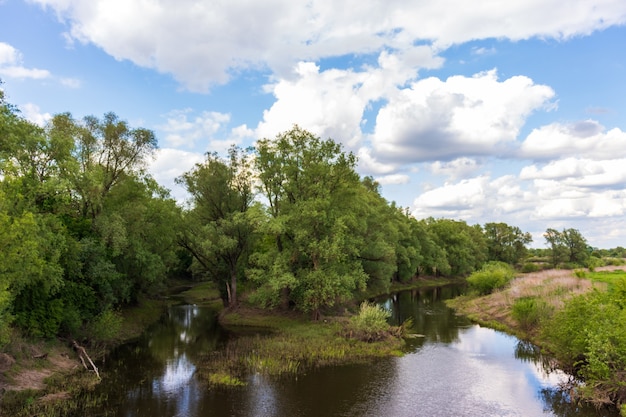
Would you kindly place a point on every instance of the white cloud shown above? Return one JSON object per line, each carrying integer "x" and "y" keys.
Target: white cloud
{"x": 369, "y": 165}
{"x": 586, "y": 139}
{"x": 183, "y": 129}
{"x": 170, "y": 164}
{"x": 581, "y": 173}
{"x": 11, "y": 65}
{"x": 443, "y": 120}
{"x": 33, "y": 113}
{"x": 583, "y": 201}
{"x": 331, "y": 103}
{"x": 393, "y": 179}
{"x": 71, "y": 82}
{"x": 202, "y": 43}
{"x": 453, "y": 170}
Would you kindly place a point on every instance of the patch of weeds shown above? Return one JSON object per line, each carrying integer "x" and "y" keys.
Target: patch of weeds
{"x": 220, "y": 379}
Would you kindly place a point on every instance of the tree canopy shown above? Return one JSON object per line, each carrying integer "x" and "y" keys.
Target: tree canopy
{"x": 85, "y": 229}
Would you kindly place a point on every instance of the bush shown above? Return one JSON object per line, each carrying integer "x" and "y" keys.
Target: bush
{"x": 371, "y": 322}
{"x": 492, "y": 276}
{"x": 589, "y": 334}
{"x": 105, "y": 327}
{"x": 530, "y": 311}
{"x": 530, "y": 267}
{"x": 593, "y": 263}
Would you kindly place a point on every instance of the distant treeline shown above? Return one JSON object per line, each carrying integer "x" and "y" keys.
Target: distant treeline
{"x": 84, "y": 229}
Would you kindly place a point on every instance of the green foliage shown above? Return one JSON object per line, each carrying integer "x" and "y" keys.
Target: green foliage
{"x": 83, "y": 229}
{"x": 492, "y": 276}
{"x": 568, "y": 246}
{"x": 464, "y": 246}
{"x": 530, "y": 311}
{"x": 313, "y": 193}
{"x": 590, "y": 333}
{"x": 105, "y": 327}
{"x": 529, "y": 267}
{"x": 506, "y": 243}
{"x": 219, "y": 229}
{"x": 371, "y": 322}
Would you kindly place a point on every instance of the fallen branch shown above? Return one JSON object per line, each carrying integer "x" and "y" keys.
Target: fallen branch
{"x": 82, "y": 353}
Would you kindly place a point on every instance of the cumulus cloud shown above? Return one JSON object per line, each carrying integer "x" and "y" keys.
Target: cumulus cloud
{"x": 183, "y": 129}
{"x": 170, "y": 164}
{"x": 453, "y": 170}
{"x": 331, "y": 103}
{"x": 202, "y": 43}
{"x": 393, "y": 179}
{"x": 33, "y": 113}
{"x": 12, "y": 66}
{"x": 585, "y": 138}
{"x": 558, "y": 196}
{"x": 444, "y": 120}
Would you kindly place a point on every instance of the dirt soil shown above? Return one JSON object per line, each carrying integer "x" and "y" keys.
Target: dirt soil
{"x": 38, "y": 364}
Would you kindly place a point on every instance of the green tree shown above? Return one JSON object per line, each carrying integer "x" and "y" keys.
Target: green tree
{"x": 506, "y": 243}
{"x": 576, "y": 245}
{"x": 557, "y": 249}
{"x": 219, "y": 228}
{"x": 311, "y": 187}
{"x": 464, "y": 246}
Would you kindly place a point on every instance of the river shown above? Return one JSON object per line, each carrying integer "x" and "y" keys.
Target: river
{"x": 452, "y": 368}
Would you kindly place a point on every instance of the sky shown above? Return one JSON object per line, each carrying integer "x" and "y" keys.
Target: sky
{"x": 483, "y": 111}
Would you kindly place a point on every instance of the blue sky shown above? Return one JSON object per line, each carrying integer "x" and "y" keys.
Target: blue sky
{"x": 482, "y": 111}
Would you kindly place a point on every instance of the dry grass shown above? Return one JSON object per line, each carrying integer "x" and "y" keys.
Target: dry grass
{"x": 554, "y": 286}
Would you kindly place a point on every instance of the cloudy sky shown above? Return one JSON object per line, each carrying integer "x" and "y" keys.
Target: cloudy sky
{"x": 480, "y": 110}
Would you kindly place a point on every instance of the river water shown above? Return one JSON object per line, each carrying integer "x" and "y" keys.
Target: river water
{"x": 452, "y": 368}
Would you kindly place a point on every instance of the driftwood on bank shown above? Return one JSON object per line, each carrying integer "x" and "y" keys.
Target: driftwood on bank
{"x": 82, "y": 354}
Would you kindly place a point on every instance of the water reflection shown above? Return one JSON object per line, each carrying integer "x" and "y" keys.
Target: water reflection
{"x": 454, "y": 369}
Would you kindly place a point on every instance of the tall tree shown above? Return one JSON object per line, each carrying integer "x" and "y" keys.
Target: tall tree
{"x": 506, "y": 243}
{"x": 558, "y": 251}
{"x": 576, "y": 244}
{"x": 219, "y": 227}
{"x": 311, "y": 187}
{"x": 104, "y": 153}
{"x": 464, "y": 246}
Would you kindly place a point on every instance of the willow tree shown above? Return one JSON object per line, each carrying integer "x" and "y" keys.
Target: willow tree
{"x": 218, "y": 227}
{"x": 311, "y": 186}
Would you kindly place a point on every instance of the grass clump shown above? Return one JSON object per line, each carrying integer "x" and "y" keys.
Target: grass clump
{"x": 371, "y": 323}
{"x": 224, "y": 380}
{"x": 530, "y": 311}
{"x": 492, "y": 276}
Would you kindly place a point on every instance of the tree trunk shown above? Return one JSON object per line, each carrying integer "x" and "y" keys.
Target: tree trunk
{"x": 232, "y": 294}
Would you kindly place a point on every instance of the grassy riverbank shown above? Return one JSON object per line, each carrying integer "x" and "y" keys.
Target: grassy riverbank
{"x": 47, "y": 378}
{"x": 282, "y": 345}
{"x": 285, "y": 343}
{"x": 577, "y": 317}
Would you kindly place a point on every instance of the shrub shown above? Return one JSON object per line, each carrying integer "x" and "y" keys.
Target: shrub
{"x": 371, "y": 322}
{"x": 530, "y": 267}
{"x": 530, "y": 311}
{"x": 593, "y": 263}
{"x": 580, "y": 273}
{"x": 105, "y": 327}
{"x": 492, "y": 276}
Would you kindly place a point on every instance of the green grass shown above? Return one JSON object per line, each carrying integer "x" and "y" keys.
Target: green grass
{"x": 203, "y": 294}
{"x": 609, "y": 277}
{"x": 291, "y": 345}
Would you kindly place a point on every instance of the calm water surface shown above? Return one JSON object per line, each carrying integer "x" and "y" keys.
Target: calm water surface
{"x": 454, "y": 368}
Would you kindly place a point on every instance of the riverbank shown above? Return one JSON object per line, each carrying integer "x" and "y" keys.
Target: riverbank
{"x": 47, "y": 377}
{"x": 539, "y": 307}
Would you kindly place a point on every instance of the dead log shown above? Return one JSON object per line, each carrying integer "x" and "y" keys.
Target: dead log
{"x": 82, "y": 354}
